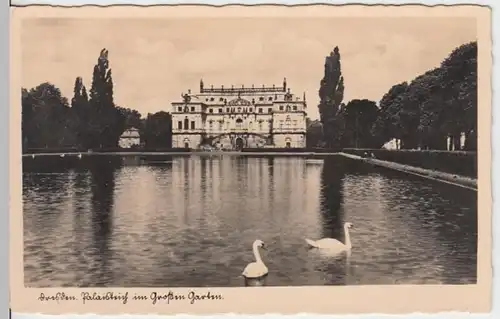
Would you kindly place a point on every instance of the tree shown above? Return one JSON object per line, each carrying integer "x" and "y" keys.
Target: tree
{"x": 106, "y": 123}
{"x": 439, "y": 104}
{"x": 331, "y": 94}
{"x": 314, "y": 133}
{"x": 132, "y": 117}
{"x": 157, "y": 130}
{"x": 91, "y": 122}
{"x": 80, "y": 107}
{"x": 47, "y": 121}
{"x": 359, "y": 116}
{"x": 385, "y": 126}
{"x": 460, "y": 82}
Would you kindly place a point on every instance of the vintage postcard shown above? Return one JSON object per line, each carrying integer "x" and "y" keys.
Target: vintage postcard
{"x": 196, "y": 159}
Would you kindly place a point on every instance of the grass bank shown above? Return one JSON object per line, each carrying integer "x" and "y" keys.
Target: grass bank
{"x": 453, "y": 162}
{"x": 454, "y": 179}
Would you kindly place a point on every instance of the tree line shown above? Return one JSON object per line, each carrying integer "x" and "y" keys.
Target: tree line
{"x": 435, "y": 108}
{"x": 91, "y": 120}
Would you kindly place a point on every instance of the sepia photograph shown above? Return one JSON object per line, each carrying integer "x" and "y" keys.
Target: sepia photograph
{"x": 200, "y": 151}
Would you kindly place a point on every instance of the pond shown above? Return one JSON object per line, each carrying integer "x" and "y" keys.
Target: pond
{"x": 190, "y": 221}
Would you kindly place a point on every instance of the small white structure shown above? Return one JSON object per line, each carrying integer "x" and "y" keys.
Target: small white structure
{"x": 130, "y": 138}
{"x": 394, "y": 144}
{"x": 451, "y": 146}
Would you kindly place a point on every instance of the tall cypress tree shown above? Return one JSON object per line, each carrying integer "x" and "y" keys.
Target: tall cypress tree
{"x": 80, "y": 107}
{"x": 106, "y": 121}
{"x": 331, "y": 94}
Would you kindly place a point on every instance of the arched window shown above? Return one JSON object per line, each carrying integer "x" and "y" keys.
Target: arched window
{"x": 186, "y": 123}
{"x": 239, "y": 123}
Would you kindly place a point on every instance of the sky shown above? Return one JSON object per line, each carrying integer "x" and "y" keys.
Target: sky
{"x": 154, "y": 61}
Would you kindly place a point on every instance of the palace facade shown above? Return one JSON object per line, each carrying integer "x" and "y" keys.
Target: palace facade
{"x": 235, "y": 118}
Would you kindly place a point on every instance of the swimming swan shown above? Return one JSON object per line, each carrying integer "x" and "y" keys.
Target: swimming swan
{"x": 333, "y": 244}
{"x": 256, "y": 269}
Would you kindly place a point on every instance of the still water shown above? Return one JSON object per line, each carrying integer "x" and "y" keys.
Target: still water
{"x": 113, "y": 221}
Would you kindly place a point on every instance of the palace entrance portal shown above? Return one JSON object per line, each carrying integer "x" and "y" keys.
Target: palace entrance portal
{"x": 238, "y": 141}
{"x": 238, "y": 145}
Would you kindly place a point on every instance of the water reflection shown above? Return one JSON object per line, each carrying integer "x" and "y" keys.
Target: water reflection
{"x": 332, "y": 198}
{"x": 191, "y": 221}
{"x": 102, "y": 188}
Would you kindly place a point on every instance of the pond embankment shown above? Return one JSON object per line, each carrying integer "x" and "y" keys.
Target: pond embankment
{"x": 441, "y": 175}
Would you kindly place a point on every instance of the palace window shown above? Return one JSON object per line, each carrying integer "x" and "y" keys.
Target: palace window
{"x": 179, "y": 125}
{"x": 261, "y": 99}
{"x": 227, "y": 110}
{"x": 186, "y": 124}
{"x": 210, "y": 124}
{"x": 239, "y": 123}
{"x": 220, "y": 125}
{"x": 220, "y": 110}
{"x": 295, "y": 107}
{"x": 251, "y": 110}
{"x": 192, "y": 109}
{"x": 210, "y": 110}
{"x": 270, "y": 110}
{"x": 179, "y": 109}
{"x": 221, "y": 99}
{"x": 281, "y": 107}
{"x": 192, "y": 125}
{"x": 253, "y": 101}
{"x": 288, "y": 108}
{"x": 211, "y": 99}
{"x": 270, "y": 98}
{"x": 239, "y": 109}
{"x": 260, "y": 110}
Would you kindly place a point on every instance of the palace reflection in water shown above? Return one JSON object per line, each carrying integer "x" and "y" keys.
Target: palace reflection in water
{"x": 191, "y": 221}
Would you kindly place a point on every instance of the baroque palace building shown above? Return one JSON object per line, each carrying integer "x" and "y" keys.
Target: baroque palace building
{"x": 235, "y": 118}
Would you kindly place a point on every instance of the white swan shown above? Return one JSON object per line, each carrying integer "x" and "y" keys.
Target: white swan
{"x": 32, "y": 155}
{"x": 256, "y": 269}
{"x": 331, "y": 244}
{"x": 79, "y": 155}
{"x": 62, "y": 155}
